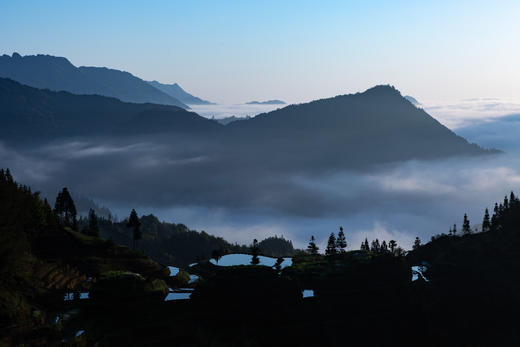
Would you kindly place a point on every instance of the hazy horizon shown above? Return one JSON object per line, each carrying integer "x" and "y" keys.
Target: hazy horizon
{"x": 233, "y": 52}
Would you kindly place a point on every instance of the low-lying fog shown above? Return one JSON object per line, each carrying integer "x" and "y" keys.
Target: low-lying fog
{"x": 397, "y": 201}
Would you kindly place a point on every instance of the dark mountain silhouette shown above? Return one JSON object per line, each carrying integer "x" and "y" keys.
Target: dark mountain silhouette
{"x": 32, "y": 114}
{"x": 268, "y": 102}
{"x": 355, "y": 130}
{"x": 178, "y": 93}
{"x": 345, "y": 132}
{"x": 58, "y": 74}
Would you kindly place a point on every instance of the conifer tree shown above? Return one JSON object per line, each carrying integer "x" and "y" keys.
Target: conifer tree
{"x": 93, "y": 225}
{"x": 513, "y": 201}
{"x": 278, "y": 264}
{"x": 341, "y": 241}
{"x": 454, "y": 229}
{"x": 331, "y": 245}
{"x": 466, "y": 229}
{"x": 417, "y": 243}
{"x": 367, "y": 245}
{"x": 312, "y": 248}
{"x": 384, "y": 247}
{"x": 392, "y": 245}
{"x": 65, "y": 209}
{"x": 135, "y": 224}
{"x": 254, "y": 252}
{"x": 486, "y": 224}
{"x": 375, "y": 247}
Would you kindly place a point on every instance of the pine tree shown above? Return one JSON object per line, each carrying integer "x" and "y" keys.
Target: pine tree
{"x": 65, "y": 209}
{"x": 341, "y": 241}
{"x": 278, "y": 264}
{"x": 331, "y": 245}
{"x": 312, "y": 248}
{"x": 486, "y": 224}
{"x": 417, "y": 243}
{"x": 466, "y": 229}
{"x": 254, "y": 252}
{"x": 454, "y": 229}
{"x": 93, "y": 225}
{"x": 384, "y": 247}
{"x": 392, "y": 245}
{"x": 135, "y": 224}
{"x": 367, "y": 246}
{"x": 375, "y": 247}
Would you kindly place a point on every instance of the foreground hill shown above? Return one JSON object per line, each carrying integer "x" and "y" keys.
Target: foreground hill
{"x": 29, "y": 113}
{"x": 58, "y": 74}
{"x": 177, "y": 92}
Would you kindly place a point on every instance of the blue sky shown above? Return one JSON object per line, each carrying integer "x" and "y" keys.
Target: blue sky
{"x": 235, "y": 51}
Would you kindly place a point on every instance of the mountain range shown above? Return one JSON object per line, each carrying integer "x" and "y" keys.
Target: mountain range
{"x": 58, "y": 74}
{"x": 347, "y": 131}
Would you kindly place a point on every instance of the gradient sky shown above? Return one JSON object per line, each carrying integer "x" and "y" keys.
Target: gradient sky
{"x": 236, "y": 51}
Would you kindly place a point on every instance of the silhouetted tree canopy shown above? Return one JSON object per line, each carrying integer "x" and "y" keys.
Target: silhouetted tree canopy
{"x": 65, "y": 209}
{"x": 254, "y": 252}
{"x": 341, "y": 241}
{"x": 466, "y": 229}
{"x": 312, "y": 248}
{"x": 135, "y": 225}
{"x": 331, "y": 245}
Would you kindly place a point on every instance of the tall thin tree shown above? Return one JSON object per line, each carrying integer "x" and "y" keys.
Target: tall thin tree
{"x": 135, "y": 224}
{"x": 341, "y": 241}
{"x": 486, "y": 224}
{"x": 331, "y": 245}
{"x": 312, "y": 248}
{"x": 466, "y": 229}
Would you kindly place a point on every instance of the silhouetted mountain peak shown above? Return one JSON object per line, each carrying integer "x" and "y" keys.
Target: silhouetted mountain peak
{"x": 382, "y": 90}
{"x": 16, "y": 56}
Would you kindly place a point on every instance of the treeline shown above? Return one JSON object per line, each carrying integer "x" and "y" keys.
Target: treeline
{"x": 505, "y": 216}
{"x": 336, "y": 245}
{"x": 167, "y": 243}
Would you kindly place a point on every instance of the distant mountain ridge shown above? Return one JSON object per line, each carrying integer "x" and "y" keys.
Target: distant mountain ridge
{"x": 268, "y": 102}
{"x": 59, "y": 74}
{"x": 34, "y": 114}
{"x": 177, "y": 92}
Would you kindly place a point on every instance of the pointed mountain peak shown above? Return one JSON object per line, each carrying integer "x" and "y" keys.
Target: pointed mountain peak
{"x": 382, "y": 89}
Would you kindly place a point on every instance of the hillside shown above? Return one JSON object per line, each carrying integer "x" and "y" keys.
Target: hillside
{"x": 41, "y": 259}
{"x": 356, "y": 130}
{"x": 29, "y": 113}
{"x": 58, "y": 74}
{"x": 175, "y": 90}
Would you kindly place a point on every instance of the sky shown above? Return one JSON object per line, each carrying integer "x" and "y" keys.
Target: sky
{"x": 237, "y": 51}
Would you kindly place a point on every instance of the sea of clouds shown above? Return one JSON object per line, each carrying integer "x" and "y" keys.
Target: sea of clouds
{"x": 398, "y": 201}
